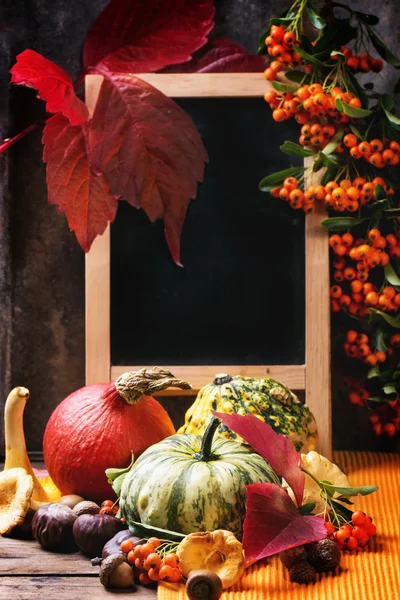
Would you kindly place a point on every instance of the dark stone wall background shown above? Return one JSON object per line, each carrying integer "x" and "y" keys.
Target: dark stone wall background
{"x": 41, "y": 264}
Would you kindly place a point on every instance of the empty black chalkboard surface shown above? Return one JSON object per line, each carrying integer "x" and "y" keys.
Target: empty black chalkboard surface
{"x": 239, "y": 300}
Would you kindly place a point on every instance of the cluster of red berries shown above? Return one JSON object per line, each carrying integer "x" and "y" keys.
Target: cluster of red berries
{"x": 377, "y": 152}
{"x": 309, "y": 102}
{"x": 316, "y": 135}
{"x": 281, "y": 45}
{"x": 291, "y": 193}
{"x": 108, "y": 507}
{"x": 352, "y": 535}
{"x": 357, "y": 345}
{"x": 386, "y": 420}
{"x": 362, "y": 63}
{"x": 150, "y": 565}
{"x": 348, "y": 195}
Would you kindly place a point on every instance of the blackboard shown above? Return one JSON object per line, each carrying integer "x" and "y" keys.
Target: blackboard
{"x": 240, "y": 297}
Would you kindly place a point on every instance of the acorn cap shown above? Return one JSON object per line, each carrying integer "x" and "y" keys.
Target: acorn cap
{"x": 107, "y": 567}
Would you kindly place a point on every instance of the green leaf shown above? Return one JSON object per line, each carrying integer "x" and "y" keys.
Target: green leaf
{"x": 389, "y": 389}
{"x": 392, "y": 321}
{"x": 297, "y": 76}
{"x": 331, "y": 147}
{"x": 356, "y": 131}
{"x": 391, "y": 117}
{"x": 327, "y": 161}
{"x": 317, "y": 21}
{"x": 338, "y": 34}
{"x": 295, "y": 149}
{"x": 288, "y": 88}
{"x": 374, "y": 372}
{"x": 391, "y": 275}
{"x": 329, "y": 175}
{"x": 306, "y": 509}
{"x": 367, "y": 19}
{"x": 116, "y": 477}
{"x": 341, "y": 223}
{"x": 383, "y": 50}
{"x": 281, "y": 21}
{"x": 380, "y": 193}
{"x": 391, "y": 213}
{"x": 262, "y": 49}
{"x": 380, "y": 340}
{"x": 364, "y": 490}
{"x": 374, "y": 400}
{"x": 276, "y": 179}
{"x": 145, "y": 531}
{"x": 308, "y": 57}
{"x": 344, "y": 499}
{"x": 352, "y": 111}
{"x": 342, "y": 510}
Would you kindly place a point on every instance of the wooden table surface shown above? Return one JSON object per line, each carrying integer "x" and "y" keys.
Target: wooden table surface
{"x": 27, "y": 572}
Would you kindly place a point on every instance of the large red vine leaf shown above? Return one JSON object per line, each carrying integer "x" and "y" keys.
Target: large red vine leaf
{"x": 273, "y": 523}
{"x": 53, "y": 84}
{"x": 220, "y": 56}
{"x": 149, "y": 151}
{"x": 276, "y": 448}
{"x": 146, "y": 35}
{"x": 81, "y": 193}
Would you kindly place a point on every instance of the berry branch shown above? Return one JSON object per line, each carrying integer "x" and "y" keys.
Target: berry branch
{"x": 352, "y": 134}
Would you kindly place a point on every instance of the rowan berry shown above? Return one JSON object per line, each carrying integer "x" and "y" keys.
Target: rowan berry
{"x": 376, "y": 159}
{"x": 390, "y": 430}
{"x": 340, "y": 250}
{"x": 270, "y": 96}
{"x": 277, "y": 32}
{"x": 388, "y": 156}
{"x": 359, "y": 182}
{"x": 350, "y": 140}
{"x": 280, "y": 114}
{"x": 334, "y": 240}
{"x": 371, "y": 299}
{"x": 336, "y": 291}
{"x": 376, "y": 145}
{"x": 290, "y": 183}
{"x": 356, "y": 102}
{"x": 365, "y": 148}
{"x": 335, "y": 306}
{"x": 296, "y": 195}
{"x": 389, "y": 292}
{"x": 328, "y": 131}
{"x": 351, "y": 543}
{"x": 371, "y": 360}
{"x": 270, "y": 74}
{"x": 276, "y": 66}
{"x": 351, "y": 336}
{"x": 316, "y": 129}
{"x": 347, "y": 239}
{"x": 289, "y": 38}
{"x": 309, "y": 207}
{"x": 284, "y": 194}
{"x": 380, "y": 356}
{"x": 303, "y": 93}
{"x": 349, "y": 273}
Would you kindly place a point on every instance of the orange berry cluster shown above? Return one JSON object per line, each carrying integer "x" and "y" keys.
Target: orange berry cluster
{"x": 358, "y": 346}
{"x": 281, "y": 45}
{"x": 386, "y": 420}
{"x": 316, "y": 135}
{"x": 353, "y": 535}
{"x": 150, "y": 565}
{"x": 376, "y": 152}
{"x": 310, "y": 101}
{"x": 348, "y": 195}
{"x": 291, "y": 193}
{"x": 108, "y": 507}
{"x": 362, "y": 63}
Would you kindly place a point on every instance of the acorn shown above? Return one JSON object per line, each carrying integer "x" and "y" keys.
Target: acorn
{"x": 303, "y": 572}
{"x": 324, "y": 555}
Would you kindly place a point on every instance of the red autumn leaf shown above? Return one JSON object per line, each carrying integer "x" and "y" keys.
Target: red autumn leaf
{"x": 53, "y": 84}
{"x": 276, "y": 448}
{"x": 273, "y": 523}
{"x": 149, "y": 151}
{"x": 82, "y": 194}
{"x": 146, "y": 35}
{"x": 220, "y": 56}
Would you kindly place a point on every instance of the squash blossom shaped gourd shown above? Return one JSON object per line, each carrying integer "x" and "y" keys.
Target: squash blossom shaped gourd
{"x": 187, "y": 483}
{"x": 266, "y": 399}
{"x": 20, "y": 488}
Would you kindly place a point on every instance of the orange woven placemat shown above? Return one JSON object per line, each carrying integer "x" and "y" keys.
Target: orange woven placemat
{"x": 372, "y": 573}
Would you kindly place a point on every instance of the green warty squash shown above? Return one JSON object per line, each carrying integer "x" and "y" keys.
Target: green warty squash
{"x": 267, "y": 399}
{"x": 187, "y": 483}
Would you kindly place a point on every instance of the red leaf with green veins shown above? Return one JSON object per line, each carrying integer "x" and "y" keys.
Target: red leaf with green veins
{"x": 53, "y": 84}
{"x": 149, "y": 150}
{"x": 146, "y": 35}
{"x": 73, "y": 186}
{"x": 273, "y": 523}
{"x": 220, "y": 56}
{"x": 276, "y": 448}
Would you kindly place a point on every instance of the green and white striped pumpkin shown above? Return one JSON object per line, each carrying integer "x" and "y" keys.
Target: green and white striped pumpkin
{"x": 190, "y": 483}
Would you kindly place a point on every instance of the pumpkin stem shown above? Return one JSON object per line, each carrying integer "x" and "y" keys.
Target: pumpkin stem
{"x": 222, "y": 378}
{"x": 205, "y": 453}
{"x": 146, "y": 382}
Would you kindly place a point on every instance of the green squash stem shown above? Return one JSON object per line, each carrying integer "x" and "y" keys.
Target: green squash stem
{"x": 205, "y": 453}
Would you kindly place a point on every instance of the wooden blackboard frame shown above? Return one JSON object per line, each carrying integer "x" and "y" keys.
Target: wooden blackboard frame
{"x": 314, "y": 376}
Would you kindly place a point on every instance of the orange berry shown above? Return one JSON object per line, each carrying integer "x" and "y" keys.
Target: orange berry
{"x": 340, "y": 250}
{"x": 355, "y": 152}
{"x": 336, "y": 291}
{"x": 347, "y": 239}
{"x": 277, "y": 32}
{"x": 270, "y": 96}
{"x": 276, "y": 66}
{"x": 389, "y": 292}
{"x": 349, "y": 273}
{"x": 380, "y": 356}
{"x": 344, "y": 300}
{"x": 376, "y": 159}
{"x": 270, "y": 74}
{"x": 350, "y": 140}
{"x": 351, "y": 336}
{"x": 365, "y": 148}
{"x": 371, "y": 299}
{"x": 338, "y": 276}
{"x": 280, "y": 114}
{"x": 390, "y": 430}
{"x": 356, "y": 102}
{"x": 296, "y": 195}
{"x": 308, "y": 207}
{"x": 289, "y": 38}
{"x": 335, "y": 306}
{"x": 290, "y": 183}
{"x": 334, "y": 240}
{"x": 371, "y": 360}
{"x": 376, "y": 145}
{"x": 373, "y": 234}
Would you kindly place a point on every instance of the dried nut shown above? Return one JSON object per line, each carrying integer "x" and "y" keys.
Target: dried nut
{"x": 116, "y": 572}
{"x": 71, "y": 500}
{"x": 86, "y": 508}
{"x": 204, "y": 585}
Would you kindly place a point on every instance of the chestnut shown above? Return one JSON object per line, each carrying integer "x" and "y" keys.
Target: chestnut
{"x": 52, "y": 527}
{"x": 92, "y": 532}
